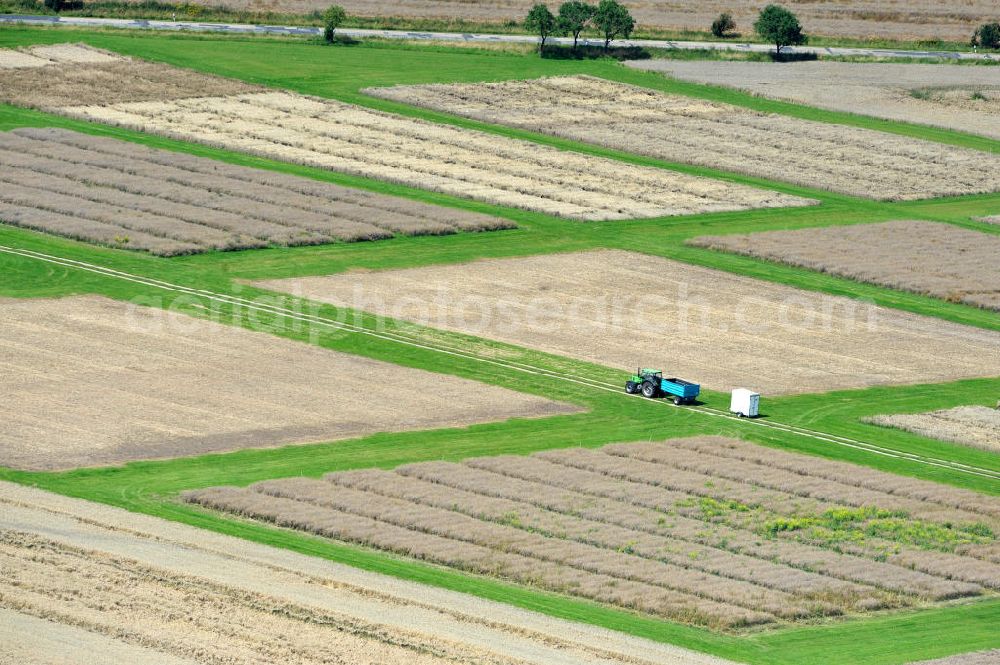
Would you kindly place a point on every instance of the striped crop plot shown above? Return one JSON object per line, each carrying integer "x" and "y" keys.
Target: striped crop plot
{"x": 598, "y": 305}
{"x": 351, "y": 139}
{"x": 850, "y": 160}
{"x": 976, "y": 426}
{"x": 709, "y": 531}
{"x": 930, "y": 258}
{"x": 84, "y": 583}
{"x": 125, "y": 195}
{"x": 187, "y": 388}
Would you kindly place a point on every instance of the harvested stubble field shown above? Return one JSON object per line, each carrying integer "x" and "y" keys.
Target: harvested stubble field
{"x": 67, "y": 364}
{"x": 598, "y": 306}
{"x": 930, "y": 258}
{"x": 707, "y": 530}
{"x": 849, "y": 160}
{"x": 961, "y": 98}
{"x": 977, "y": 426}
{"x": 107, "y": 79}
{"x": 129, "y": 196}
{"x": 122, "y": 587}
{"x": 351, "y": 139}
{"x": 55, "y": 54}
{"x": 897, "y": 19}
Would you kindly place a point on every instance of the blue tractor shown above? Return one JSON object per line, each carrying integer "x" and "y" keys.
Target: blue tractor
{"x": 651, "y": 384}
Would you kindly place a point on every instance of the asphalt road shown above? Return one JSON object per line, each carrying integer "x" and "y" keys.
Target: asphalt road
{"x": 241, "y": 28}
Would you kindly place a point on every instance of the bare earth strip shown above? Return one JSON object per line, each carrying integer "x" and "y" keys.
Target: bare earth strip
{"x": 976, "y": 426}
{"x": 329, "y": 134}
{"x": 129, "y": 196}
{"x": 676, "y": 529}
{"x": 990, "y": 657}
{"x": 194, "y": 594}
{"x": 849, "y": 160}
{"x": 930, "y": 258}
{"x": 961, "y": 98}
{"x": 901, "y": 19}
{"x": 622, "y": 309}
{"x": 91, "y": 381}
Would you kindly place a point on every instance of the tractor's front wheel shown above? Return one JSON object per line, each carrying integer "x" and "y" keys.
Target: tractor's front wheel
{"x": 648, "y": 390}
{"x": 631, "y": 387}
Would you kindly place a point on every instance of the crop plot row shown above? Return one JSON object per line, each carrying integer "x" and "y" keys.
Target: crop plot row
{"x": 844, "y": 159}
{"x": 126, "y": 195}
{"x": 84, "y": 583}
{"x": 935, "y": 259}
{"x": 329, "y": 134}
{"x": 976, "y": 426}
{"x": 707, "y": 530}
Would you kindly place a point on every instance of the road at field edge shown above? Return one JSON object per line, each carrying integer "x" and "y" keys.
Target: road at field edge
{"x": 479, "y": 38}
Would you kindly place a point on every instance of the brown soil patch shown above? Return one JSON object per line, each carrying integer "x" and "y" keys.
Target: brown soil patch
{"x": 671, "y": 528}
{"x": 623, "y": 309}
{"x": 91, "y": 381}
{"x": 181, "y": 592}
{"x": 934, "y": 259}
{"x": 850, "y": 160}
{"x": 961, "y": 98}
{"x": 125, "y": 195}
{"x": 976, "y": 426}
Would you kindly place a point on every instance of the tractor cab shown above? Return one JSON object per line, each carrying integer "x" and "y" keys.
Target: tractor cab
{"x": 653, "y": 375}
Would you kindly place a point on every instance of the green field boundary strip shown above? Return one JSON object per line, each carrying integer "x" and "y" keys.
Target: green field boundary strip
{"x": 153, "y": 487}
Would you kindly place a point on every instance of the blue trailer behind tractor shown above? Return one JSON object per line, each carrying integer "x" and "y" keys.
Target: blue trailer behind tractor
{"x": 651, "y": 384}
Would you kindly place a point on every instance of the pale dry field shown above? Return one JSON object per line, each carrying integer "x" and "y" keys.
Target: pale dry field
{"x": 849, "y": 160}
{"x": 929, "y": 258}
{"x": 622, "y": 309}
{"x": 966, "y": 99}
{"x": 91, "y": 381}
{"x": 676, "y": 529}
{"x": 976, "y": 426}
{"x": 329, "y": 134}
{"x": 126, "y": 195}
{"x": 105, "y": 78}
{"x": 146, "y": 585}
{"x": 900, "y": 19}
{"x": 324, "y": 133}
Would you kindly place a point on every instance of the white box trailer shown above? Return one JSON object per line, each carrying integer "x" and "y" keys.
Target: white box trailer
{"x": 745, "y": 403}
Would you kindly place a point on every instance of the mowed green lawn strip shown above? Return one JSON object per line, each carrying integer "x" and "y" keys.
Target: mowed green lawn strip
{"x": 152, "y": 487}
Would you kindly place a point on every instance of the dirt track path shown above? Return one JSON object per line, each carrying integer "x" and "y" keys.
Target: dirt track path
{"x": 212, "y": 598}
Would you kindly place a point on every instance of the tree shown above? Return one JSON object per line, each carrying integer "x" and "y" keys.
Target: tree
{"x": 987, "y": 36}
{"x": 612, "y": 19}
{"x": 332, "y": 18}
{"x": 722, "y": 26}
{"x": 574, "y": 17}
{"x": 541, "y": 21}
{"x": 780, "y": 27}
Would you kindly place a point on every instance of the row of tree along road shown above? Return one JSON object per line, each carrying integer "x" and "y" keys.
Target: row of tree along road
{"x": 613, "y": 20}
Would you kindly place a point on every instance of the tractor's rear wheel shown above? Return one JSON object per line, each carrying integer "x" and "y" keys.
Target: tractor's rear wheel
{"x": 648, "y": 389}
{"x": 631, "y": 387}
{"x": 678, "y": 401}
